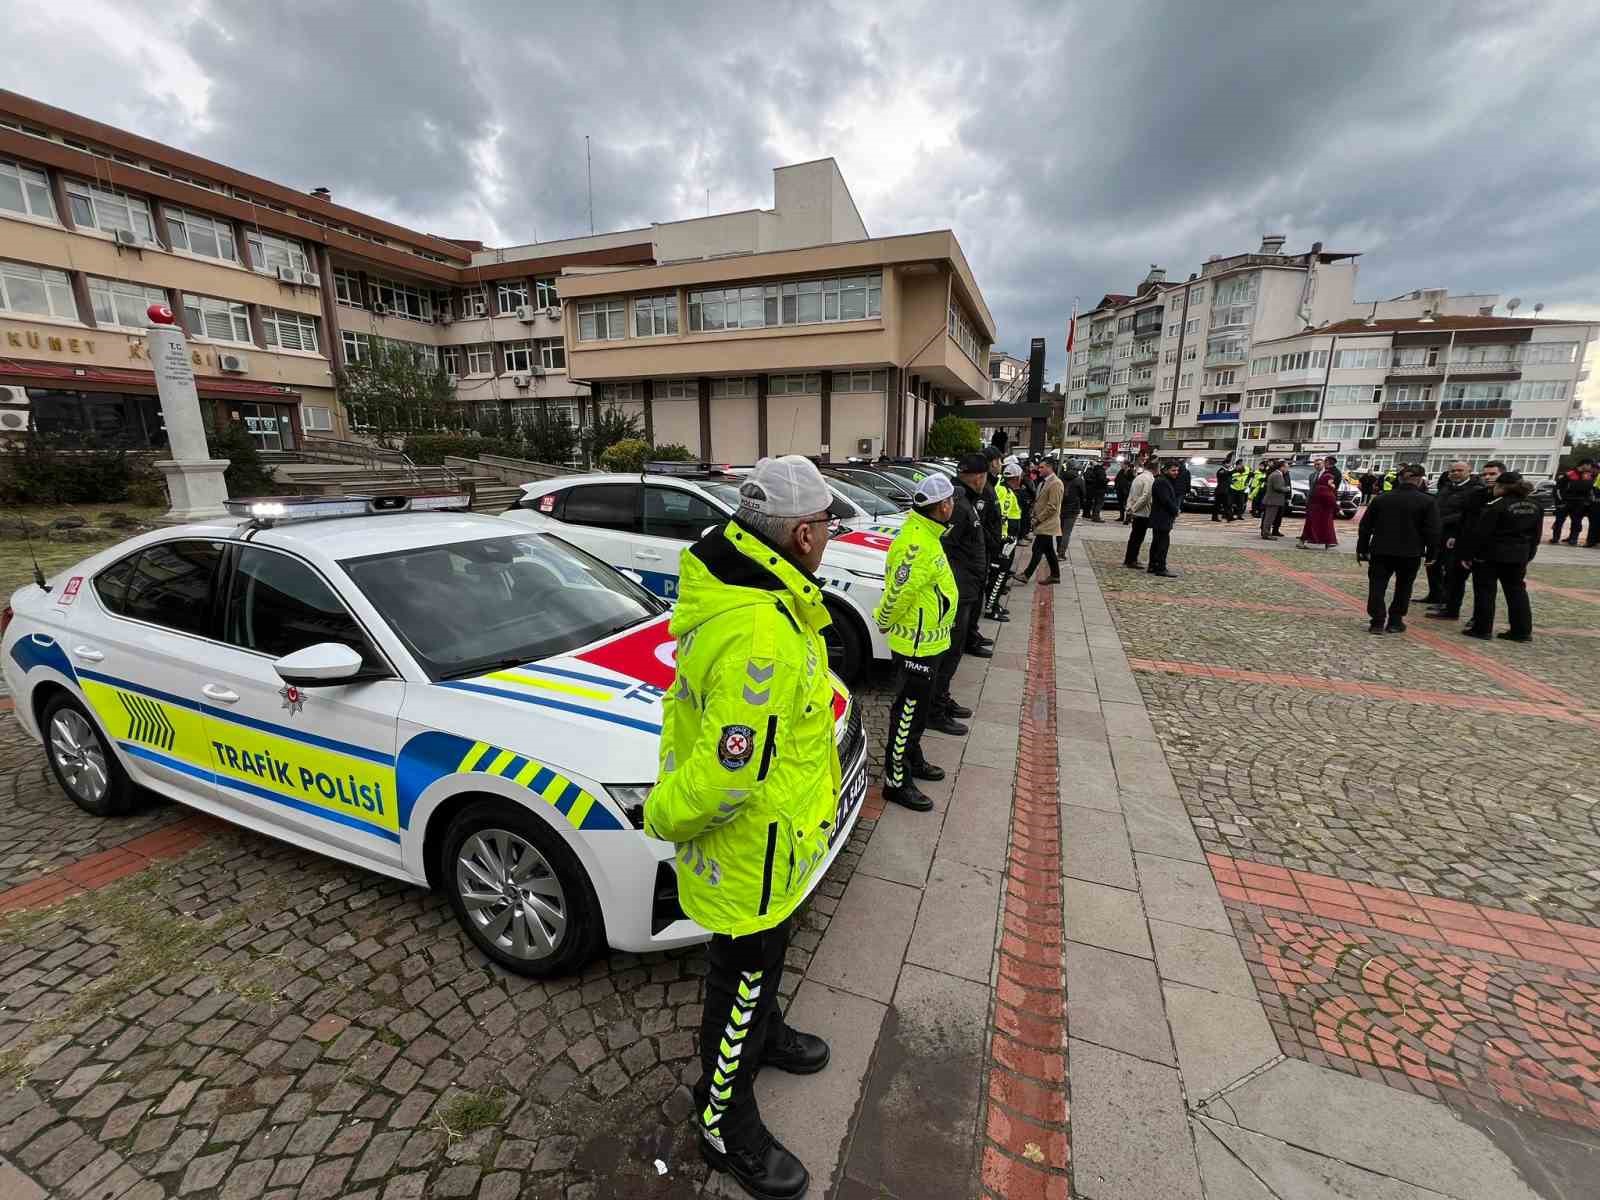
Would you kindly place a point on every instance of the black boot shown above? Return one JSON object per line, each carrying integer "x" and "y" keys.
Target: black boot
{"x": 921, "y": 768}
{"x": 960, "y": 711}
{"x": 797, "y": 1053}
{"x": 764, "y": 1169}
{"x": 942, "y": 720}
{"x": 907, "y": 795}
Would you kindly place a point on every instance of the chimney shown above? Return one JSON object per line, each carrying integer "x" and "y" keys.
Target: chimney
{"x": 322, "y": 193}
{"x": 1271, "y": 243}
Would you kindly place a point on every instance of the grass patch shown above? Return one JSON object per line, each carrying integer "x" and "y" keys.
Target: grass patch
{"x": 467, "y": 1112}
{"x": 389, "y": 1038}
{"x": 16, "y": 567}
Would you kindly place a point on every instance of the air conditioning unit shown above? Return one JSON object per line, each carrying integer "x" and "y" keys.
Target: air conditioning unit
{"x": 127, "y": 237}
{"x": 520, "y": 381}
{"x": 17, "y": 396}
{"x": 553, "y": 312}
{"x": 310, "y": 279}
{"x": 864, "y": 446}
{"x": 236, "y": 364}
{"x": 380, "y": 309}
{"x": 480, "y": 309}
{"x": 13, "y": 420}
{"x": 525, "y": 314}
{"x": 538, "y": 371}
{"x": 288, "y": 275}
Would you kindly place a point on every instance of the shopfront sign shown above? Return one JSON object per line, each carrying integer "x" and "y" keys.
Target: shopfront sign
{"x": 1196, "y": 446}
{"x": 1318, "y": 447}
{"x": 1280, "y": 447}
{"x": 56, "y": 342}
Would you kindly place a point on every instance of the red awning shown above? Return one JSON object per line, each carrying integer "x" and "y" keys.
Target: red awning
{"x": 124, "y": 379}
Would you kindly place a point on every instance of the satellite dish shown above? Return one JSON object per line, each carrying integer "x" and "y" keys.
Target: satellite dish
{"x": 1513, "y": 304}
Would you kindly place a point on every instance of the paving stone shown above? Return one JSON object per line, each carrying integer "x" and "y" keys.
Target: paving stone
{"x": 1094, "y": 846}
{"x": 1180, "y": 892}
{"x": 1201, "y": 958}
{"x": 1130, "y": 1137}
{"x": 1108, "y": 917}
{"x": 207, "y": 1171}
{"x": 1115, "y": 1000}
{"x": 1220, "y": 1038}
{"x": 956, "y": 921}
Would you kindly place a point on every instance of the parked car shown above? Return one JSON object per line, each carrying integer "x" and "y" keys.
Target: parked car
{"x": 896, "y": 489}
{"x": 448, "y": 698}
{"x": 1300, "y": 489}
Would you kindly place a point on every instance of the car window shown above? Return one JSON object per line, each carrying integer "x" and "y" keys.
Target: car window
{"x": 603, "y": 505}
{"x": 111, "y": 585}
{"x": 278, "y": 605}
{"x": 874, "y": 504}
{"x": 172, "y": 585}
{"x": 675, "y": 513}
{"x": 549, "y": 504}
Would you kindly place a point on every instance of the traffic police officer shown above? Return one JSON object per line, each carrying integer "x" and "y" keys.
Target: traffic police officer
{"x": 1257, "y": 485}
{"x": 967, "y": 550}
{"x": 1010, "y": 524}
{"x": 917, "y": 610}
{"x": 1237, "y": 487}
{"x": 748, "y": 785}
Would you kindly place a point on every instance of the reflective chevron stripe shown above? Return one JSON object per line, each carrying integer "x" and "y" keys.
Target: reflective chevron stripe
{"x": 900, "y": 743}
{"x": 720, "y": 1091}
{"x": 147, "y": 721}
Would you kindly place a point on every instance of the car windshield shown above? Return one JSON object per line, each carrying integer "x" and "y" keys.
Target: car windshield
{"x": 728, "y": 493}
{"x": 472, "y": 606}
{"x": 875, "y": 505}
{"x": 890, "y": 487}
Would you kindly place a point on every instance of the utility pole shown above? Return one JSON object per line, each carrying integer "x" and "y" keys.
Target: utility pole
{"x": 588, "y": 162}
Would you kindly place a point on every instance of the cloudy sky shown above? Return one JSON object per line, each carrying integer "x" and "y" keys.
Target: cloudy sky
{"x": 1068, "y": 145}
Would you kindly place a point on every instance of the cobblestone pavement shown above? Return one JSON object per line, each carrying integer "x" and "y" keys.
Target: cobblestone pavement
{"x": 1405, "y": 831}
{"x": 252, "y": 1020}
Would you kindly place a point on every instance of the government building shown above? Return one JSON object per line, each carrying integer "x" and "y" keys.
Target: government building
{"x": 735, "y": 334}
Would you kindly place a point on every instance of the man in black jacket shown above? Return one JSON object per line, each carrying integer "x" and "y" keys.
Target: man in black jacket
{"x": 1166, "y": 502}
{"x": 1222, "y": 500}
{"x": 1447, "y": 580}
{"x": 1499, "y": 545}
{"x": 1074, "y": 501}
{"x": 1123, "y": 485}
{"x": 1401, "y": 528}
{"x": 1450, "y": 555}
{"x": 1094, "y": 491}
{"x": 1575, "y": 493}
{"x": 993, "y": 540}
{"x": 965, "y": 547}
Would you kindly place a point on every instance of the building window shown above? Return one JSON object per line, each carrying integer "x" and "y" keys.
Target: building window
{"x": 601, "y": 321}
{"x": 1403, "y": 429}
{"x": 1479, "y": 395}
{"x": 205, "y": 236}
{"x": 1125, "y": 350}
{"x": 510, "y": 295}
{"x": 1183, "y": 406}
{"x": 1554, "y": 389}
{"x": 218, "y": 320}
{"x": 736, "y": 386}
{"x": 480, "y": 359}
{"x": 37, "y": 290}
{"x": 960, "y": 328}
{"x": 24, "y": 190}
{"x": 1232, "y": 315}
{"x": 450, "y": 359}
{"x": 552, "y": 354}
{"x": 1190, "y": 353}
{"x": 655, "y": 316}
{"x": 1475, "y": 429}
{"x": 1356, "y": 393}
{"x": 795, "y": 385}
{"x": 357, "y": 346}
{"x": 1258, "y": 400}
{"x": 97, "y": 208}
{"x": 1192, "y": 326}
{"x": 1409, "y": 396}
{"x": 544, "y": 293}
{"x": 401, "y": 299}
{"x": 1296, "y": 402}
{"x": 1549, "y": 354}
{"x": 1174, "y": 329}
{"x": 519, "y": 356}
{"x": 268, "y": 252}
{"x": 1255, "y": 431}
{"x": 472, "y": 303}
{"x": 614, "y": 393}
{"x": 1263, "y": 366}
{"x": 1534, "y": 427}
{"x": 681, "y": 389}
{"x": 859, "y": 381}
{"x": 124, "y": 304}
{"x": 290, "y": 330}
{"x": 1196, "y": 294}
{"x": 1186, "y": 379}
{"x": 1171, "y": 356}
{"x": 1345, "y": 430}
{"x": 347, "y": 288}
{"x": 1117, "y": 403}
{"x": 314, "y": 418}
{"x": 1360, "y": 360}
{"x": 1142, "y": 375}
{"x": 1125, "y": 324}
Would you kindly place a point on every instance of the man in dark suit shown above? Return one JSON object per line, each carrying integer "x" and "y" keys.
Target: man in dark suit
{"x": 1401, "y": 528}
{"x": 1166, "y": 502}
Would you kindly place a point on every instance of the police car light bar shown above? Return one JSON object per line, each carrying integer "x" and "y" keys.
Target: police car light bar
{"x": 268, "y": 510}
{"x": 685, "y": 468}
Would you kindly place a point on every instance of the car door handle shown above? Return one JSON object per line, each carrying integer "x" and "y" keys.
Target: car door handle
{"x": 220, "y": 694}
{"x": 649, "y": 556}
{"x": 88, "y": 654}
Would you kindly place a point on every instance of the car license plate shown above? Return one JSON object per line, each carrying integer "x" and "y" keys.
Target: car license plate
{"x": 851, "y": 793}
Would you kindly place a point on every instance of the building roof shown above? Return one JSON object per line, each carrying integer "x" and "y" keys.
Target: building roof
{"x": 1438, "y": 324}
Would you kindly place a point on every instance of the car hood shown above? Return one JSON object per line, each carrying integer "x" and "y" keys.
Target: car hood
{"x": 595, "y": 710}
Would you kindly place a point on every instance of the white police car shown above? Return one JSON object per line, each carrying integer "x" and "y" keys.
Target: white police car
{"x": 641, "y": 523}
{"x": 440, "y": 696}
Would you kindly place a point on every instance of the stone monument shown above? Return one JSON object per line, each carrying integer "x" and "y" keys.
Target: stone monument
{"x": 194, "y": 478}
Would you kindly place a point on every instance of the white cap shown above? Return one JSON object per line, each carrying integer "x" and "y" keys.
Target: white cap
{"x": 1013, "y": 461}
{"x": 790, "y": 486}
{"x": 1013, "y": 470}
{"x": 933, "y": 489}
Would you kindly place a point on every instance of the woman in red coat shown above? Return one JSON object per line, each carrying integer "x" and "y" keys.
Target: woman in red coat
{"x": 1321, "y": 505}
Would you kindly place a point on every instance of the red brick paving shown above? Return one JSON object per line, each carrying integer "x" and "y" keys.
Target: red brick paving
{"x": 1027, "y": 1147}
{"x": 97, "y": 870}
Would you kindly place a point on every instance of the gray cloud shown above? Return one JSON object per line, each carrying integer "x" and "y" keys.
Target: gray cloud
{"x": 1068, "y": 145}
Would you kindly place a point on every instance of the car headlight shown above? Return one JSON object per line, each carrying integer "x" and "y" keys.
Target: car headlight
{"x": 872, "y": 575}
{"x": 630, "y": 797}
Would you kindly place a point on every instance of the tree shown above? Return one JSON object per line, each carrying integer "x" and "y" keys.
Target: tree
{"x": 611, "y": 425}
{"x": 627, "y": 455}
{"x": 551, "y": 437}
{"x": 246, "y": 475}
{"x": 394, "y": 389}
{"x": 670, "y": 452}
{"x": 951, "y": 437}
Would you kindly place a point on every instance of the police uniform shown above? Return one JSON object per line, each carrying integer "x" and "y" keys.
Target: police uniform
{"x": 1222, "y": 500}
{"x": 1010, "y": 523}
{"x": 1237, "y": 487}
{"x": 1257, "y": 485}
{"x": 747, "y": 789}
{"x": 916, "y": 614}
{"x": 1502, "y": 542}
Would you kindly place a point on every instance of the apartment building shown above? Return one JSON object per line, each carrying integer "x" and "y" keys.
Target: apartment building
{"x": 1008, "y": 376}
{"x": 1433, "y": 389}
{"x": 278, "y": 288}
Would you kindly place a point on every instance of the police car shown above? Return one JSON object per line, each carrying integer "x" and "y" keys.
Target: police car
{"x": 440, "y": 696}
{"x": 641, "y": 523}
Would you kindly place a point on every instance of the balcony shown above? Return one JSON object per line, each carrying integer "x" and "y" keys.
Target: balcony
{"x": 1297, "y": 409}
{"x": 1402, "y": 443}
{"x": 1102, "y": 339}
{"x": 1420, "y": 409}
{"x": 1508, "y": 367}
{"x": 1222, "y": 416}
{"x": 1142, "y": 385}
{"x": 1475, "y": 408}
{"x": 1098, "y": 387}
{"x": 1304, "y": 375}
{"x": 1099, "y": 358}
{"x": 1144, "y": 352}
{"x": 1224, "y": 389}
{"x": 1226, "y": 358}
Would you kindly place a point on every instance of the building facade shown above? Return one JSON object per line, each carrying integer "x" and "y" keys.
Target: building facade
{"x": 278, "y": 289}
{"x": 1008, "y": 378}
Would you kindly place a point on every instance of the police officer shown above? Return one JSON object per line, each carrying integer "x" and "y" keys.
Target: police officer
{"x": 1256, "y": 485}
{"x": 993, "y": 525}
{"x": 1502, "y": 542}
{"x": 1400, "y": 530}
{"x": 1222, "y": 500}
{"x": 969, "y": 561}
{"x": 1237, "y": 487}
{"x": 748, "y": 783}
{"x": 1094, "y": 491}
{"x": 918, "y": 608}
{"x": 1010, "y": 526}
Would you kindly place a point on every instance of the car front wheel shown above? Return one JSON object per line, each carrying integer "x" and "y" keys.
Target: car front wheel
{"x": 519, "y": 891}
{"x": 83, "y": 763}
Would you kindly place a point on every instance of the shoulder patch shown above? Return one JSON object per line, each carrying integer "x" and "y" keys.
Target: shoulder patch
{"x": 902, "y": 574}
{"x": 734, "y": 748}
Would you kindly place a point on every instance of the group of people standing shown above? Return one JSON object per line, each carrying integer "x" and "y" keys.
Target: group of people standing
{"x": 1577, "y": 499}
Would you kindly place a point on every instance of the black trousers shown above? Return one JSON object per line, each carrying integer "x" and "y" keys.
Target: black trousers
{"x": 1513, "y": 578}
{"x": 1160, "y": 540}
{"x": 1447, "y": 580}
{"x": 1064, "y": 538}
{"x": 1094, "y": 501}
{"x": 1575, "y": 515}
{"x": 908, "y": 715}
{"x": 966, "y": 624}
{"x": 1000, "y": 577}
{"x": 1141, "y": 526}
{"x": 740, "y": 1021}
{"x": 1122, "y": 506}
{"x": 1380, "y": 570}
{"x": 1044, "y": 546}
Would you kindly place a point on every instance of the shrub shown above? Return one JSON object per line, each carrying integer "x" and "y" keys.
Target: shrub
{"x": 951, "y": 437}
{"x": 246, "y": 475}
{"x": 38, "y": 468}
{"x": 431, "y": 449}
{"x": 611, "y": 425}
{"x": 149, "y": 490}
{"x": 671, "y": 452}
{"x": 627, "y": 455}
{"x": 551, "y": 438}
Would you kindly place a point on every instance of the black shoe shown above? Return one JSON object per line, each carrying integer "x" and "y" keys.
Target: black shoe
{"x": 1165, "y": 574}
{"x": 1002, "y": 617}
{"x": 1133, "y": 566}
{"x": 907, "y": 797}
{"x": 1050, "y": 579}
{"x": 1440, "y": 614}
{"x": 1278, "y": 535}
{"x": 1430, "y": 598}
{"x": 980, "y": 651}
{"x": 945, "y": 723}
{"x": 1019, "y": 578}
{"x": 1375, "y": 627}
{"x": 765, "y": 1170}
{"x": 1469, "y": 631}
{"x": 950, "y": 708}
{"x": 1508, "y": 636}
{"x": 921, "y": 768}
{"x": 1396, "y": 625}
{"x": 796, "y": 1053}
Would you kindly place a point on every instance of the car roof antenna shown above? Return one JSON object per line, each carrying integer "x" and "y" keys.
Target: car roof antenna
{"x": 38, "y": 573}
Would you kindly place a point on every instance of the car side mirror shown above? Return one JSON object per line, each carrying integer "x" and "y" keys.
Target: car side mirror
{"x": 319, "y": 665}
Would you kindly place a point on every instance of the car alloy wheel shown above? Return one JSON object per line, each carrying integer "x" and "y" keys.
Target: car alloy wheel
{"x": 79, "y": 759}
{"x": 512, "y": 894}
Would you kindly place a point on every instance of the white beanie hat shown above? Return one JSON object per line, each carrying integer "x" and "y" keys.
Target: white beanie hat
{"x": 790, "y": 486}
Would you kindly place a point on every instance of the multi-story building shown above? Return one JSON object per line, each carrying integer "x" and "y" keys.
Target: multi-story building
{"x": 1432, "y": 389}
{"x": 278, "y": 289}
{"x": 1008, "y": 377}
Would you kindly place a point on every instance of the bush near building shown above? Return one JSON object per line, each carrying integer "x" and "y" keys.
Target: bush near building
{"x": 951, "y": 437}
{"x": 41, "y": 468}
{"x": 628, "y": 455}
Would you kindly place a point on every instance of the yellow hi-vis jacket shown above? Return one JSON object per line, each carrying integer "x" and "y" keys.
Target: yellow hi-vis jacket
{"x": 749, "y": 775}
{"x": 1258, "y": 482}
{"x": 1010, "y": 509}
{"x": 919, "y": 590}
